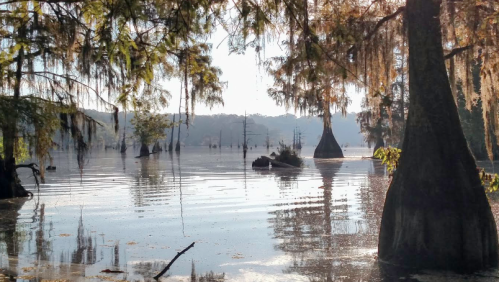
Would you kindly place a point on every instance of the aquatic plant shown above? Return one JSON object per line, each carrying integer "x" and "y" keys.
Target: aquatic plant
{"x": 288, "y": 156}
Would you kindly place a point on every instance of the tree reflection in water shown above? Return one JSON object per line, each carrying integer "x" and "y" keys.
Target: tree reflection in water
{"x": 86, "y": 247}
{"x": 325, "y": 242}
{"x": 67, "y": 263}
{"x": 9, "y": 234}
{"x": 286, "y": 177}
{"x": 150, "y": 184}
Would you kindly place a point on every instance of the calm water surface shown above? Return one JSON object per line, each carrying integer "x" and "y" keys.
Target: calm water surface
{"x": 319, "y": 223}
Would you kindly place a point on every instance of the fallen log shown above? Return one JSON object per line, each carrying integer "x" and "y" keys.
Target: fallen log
{"x": 277, "y": 163}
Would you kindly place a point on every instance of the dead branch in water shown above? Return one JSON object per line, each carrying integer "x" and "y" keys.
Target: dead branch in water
{"x": 173, "y": 260}
{"x": 35, "y": 171}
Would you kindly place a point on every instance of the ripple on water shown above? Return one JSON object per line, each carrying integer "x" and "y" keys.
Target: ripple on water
{"x": 318, "y": 223}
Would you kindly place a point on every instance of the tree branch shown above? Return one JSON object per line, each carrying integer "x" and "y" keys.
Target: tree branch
{"x": 457, "y": 51}
{"x": 173, "y": 260}
{"x": 35, "y": 171}
{"x": 45, "y": 73}
{"x": 377, "y": 26}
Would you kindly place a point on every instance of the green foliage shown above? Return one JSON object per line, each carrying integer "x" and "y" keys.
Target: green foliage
{"x": 21, "y": 151}
{"x": 389, "y": 156}
{"x": 491, "y": 182}
{"x": 64, "y": 53}
{"x": 149, "y": 128}
{"x": 288, "y": 156}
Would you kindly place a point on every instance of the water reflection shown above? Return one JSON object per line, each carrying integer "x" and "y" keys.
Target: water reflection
{"x": 285, "y": 177}
{"x": 319, "y": 223}
{"x": 123, "y": 161}
{"x": 86, "y": 247}
{"x": 305, "y": 228}
{"x": 327, "y": 240}
{"x": 9, "y": 235}
{"x": 150, "y": 184}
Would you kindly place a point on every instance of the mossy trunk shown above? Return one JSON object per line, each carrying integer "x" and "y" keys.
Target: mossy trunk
{"x": 144, "y": 150}
{"x": 328, "y": 146}
{"x": 436, "y": 213}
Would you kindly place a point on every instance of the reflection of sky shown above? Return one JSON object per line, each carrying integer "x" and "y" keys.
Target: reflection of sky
{"x": 224, "y": 212}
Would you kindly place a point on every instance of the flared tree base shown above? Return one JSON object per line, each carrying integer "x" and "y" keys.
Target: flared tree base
{"x": 12, "y": 189}
{"x": 328, "y": 147}
{"x": 438, "y": 222}
{"x": 144, "y": 150}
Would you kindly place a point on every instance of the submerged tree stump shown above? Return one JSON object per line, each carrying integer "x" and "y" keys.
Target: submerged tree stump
{"x": 328, "y": 147}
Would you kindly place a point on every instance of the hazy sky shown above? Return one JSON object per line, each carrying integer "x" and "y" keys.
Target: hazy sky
{"x": 247, "y": 83}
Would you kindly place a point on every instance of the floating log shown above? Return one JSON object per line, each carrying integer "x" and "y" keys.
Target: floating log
{"x": 276, "y": 163}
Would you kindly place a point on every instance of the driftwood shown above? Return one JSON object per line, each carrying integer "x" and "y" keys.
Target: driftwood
{"x": 173, "y": 260}
{"x": 112, "y": 271}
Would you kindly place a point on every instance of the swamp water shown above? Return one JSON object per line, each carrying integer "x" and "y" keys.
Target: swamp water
{"x": 319, "y": 223}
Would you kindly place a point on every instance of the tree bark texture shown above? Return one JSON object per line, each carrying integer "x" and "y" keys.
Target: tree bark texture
{"x": 328, "y": 146}
{"x": 436, "y": 213}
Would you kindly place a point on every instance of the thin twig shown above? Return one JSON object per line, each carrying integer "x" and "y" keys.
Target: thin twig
{"x": 456, "y": 51}
{"x": 172, "y": 261}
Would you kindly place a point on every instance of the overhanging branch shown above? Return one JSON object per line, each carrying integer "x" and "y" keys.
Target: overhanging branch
{"x": 377, "y": 26}
{"x": 35, "y": 171}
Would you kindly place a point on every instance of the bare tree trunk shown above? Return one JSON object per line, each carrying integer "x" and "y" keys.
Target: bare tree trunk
{"x": 436, "y": 213}
{"x": 170, "y": 146}
{"x": 123, "y": 142}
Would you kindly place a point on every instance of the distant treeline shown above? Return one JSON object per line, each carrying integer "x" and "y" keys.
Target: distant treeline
{"x": 204, "y": 129}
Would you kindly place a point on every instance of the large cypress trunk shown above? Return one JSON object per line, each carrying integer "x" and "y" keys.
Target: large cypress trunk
{"x": 436, "y": 214}
{"x": 328, "y": 146}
